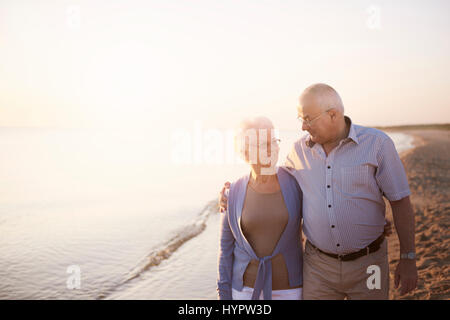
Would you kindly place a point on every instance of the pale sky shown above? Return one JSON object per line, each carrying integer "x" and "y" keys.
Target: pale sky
{"x": 158, "y": 64}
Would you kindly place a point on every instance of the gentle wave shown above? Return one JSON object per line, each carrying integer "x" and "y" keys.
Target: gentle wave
{"x": 164, "y": 251}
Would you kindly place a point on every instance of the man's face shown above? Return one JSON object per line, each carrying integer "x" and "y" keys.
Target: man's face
{"x": 321, "y": 127}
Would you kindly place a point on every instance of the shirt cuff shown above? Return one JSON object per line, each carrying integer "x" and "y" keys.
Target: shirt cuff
{"x": 398, "y": 196}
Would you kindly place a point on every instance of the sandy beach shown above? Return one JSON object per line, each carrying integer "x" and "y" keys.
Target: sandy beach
{"x": 428, "y": 170}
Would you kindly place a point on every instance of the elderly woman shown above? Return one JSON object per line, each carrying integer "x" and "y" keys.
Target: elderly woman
{"x": 260, "y": 253}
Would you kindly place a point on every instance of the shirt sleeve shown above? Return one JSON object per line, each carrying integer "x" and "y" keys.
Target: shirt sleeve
{"x": 391, "y": 176}
{"x": 292, "y": 161}
{"x": 225, "y": 259}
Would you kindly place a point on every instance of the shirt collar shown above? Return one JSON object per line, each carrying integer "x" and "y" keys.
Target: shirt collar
{"x": 351, "y": 134}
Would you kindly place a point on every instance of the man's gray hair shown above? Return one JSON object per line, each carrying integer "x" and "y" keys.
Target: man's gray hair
{"x": 326, "y": 95}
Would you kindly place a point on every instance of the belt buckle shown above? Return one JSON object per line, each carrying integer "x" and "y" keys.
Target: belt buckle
{"x": 368, "y": 251}
{"x": 340, "y": 257}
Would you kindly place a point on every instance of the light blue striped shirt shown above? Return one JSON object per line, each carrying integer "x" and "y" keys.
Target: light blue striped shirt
{"x": 343, "y": 206}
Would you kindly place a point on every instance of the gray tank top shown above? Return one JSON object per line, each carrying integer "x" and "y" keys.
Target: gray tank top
{"x": 264, "y": 217}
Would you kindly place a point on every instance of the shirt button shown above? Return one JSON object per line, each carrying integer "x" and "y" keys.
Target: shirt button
{"x": 329, "y": 206}
{"x": 329, "y": 167}
{"x": 338, "y": 245}
{"x": 332, "y": 226}
{"x": 328, "y": 186}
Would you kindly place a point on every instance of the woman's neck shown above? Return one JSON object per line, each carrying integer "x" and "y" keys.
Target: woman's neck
{"x": 262, "y": 182}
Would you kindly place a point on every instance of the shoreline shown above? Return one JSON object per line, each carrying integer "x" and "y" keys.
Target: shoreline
{"x": 417, "y": 142}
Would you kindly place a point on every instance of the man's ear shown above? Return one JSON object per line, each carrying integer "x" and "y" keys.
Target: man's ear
{"x": 332, "y": 113}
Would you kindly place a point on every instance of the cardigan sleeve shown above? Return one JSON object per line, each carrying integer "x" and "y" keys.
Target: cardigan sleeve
{"x": 225, "y": 259}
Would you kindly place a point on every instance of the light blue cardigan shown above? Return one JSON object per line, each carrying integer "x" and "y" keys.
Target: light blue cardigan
{"x": 235, "y": 252}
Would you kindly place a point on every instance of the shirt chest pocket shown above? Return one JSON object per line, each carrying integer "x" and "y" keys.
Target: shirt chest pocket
{"x": 355, "y": 179}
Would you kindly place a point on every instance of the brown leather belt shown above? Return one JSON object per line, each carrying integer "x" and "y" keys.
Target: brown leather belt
{"x": 374, "y": 246}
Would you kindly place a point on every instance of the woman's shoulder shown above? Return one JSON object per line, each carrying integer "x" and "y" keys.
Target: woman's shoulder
{"x": 288, "y": 175}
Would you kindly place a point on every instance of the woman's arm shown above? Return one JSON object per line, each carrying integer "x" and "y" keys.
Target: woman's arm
{"x": 225, "y": 259}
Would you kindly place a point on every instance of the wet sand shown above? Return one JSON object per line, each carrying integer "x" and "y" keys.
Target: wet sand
{"x": 428, "y": 170}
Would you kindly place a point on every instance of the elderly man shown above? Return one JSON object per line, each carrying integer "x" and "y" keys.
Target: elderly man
{"x": 344, "y": 171}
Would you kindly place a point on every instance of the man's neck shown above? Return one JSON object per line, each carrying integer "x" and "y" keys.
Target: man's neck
{"x": 342, "y": 133}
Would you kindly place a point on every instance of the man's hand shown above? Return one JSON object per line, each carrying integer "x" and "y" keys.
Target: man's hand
{"x": 406, "y": 271}
{"x": 406, "y": 275}
{"x": 387, "y": 228}
{"x": 223, "y": 200}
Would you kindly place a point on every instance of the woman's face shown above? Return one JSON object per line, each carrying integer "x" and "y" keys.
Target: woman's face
{"x": 261, "y": 149}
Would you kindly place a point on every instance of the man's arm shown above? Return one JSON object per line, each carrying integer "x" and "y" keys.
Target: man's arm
{"x": 406, "y": 272}
{"x": 393, "y": 182}
{"x": 404, "y": 223}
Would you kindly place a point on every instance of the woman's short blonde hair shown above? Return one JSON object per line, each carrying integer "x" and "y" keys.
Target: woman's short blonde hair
{"x": 247, "y": 133}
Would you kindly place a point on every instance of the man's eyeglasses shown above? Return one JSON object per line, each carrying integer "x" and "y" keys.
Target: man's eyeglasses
{"x": 309, "y": 122}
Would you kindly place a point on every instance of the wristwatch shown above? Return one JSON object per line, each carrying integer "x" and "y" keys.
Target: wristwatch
{"x": 409, "y": 255}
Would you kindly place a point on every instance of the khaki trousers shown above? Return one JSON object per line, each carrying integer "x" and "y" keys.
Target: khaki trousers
{"x": 327, "y": 278}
